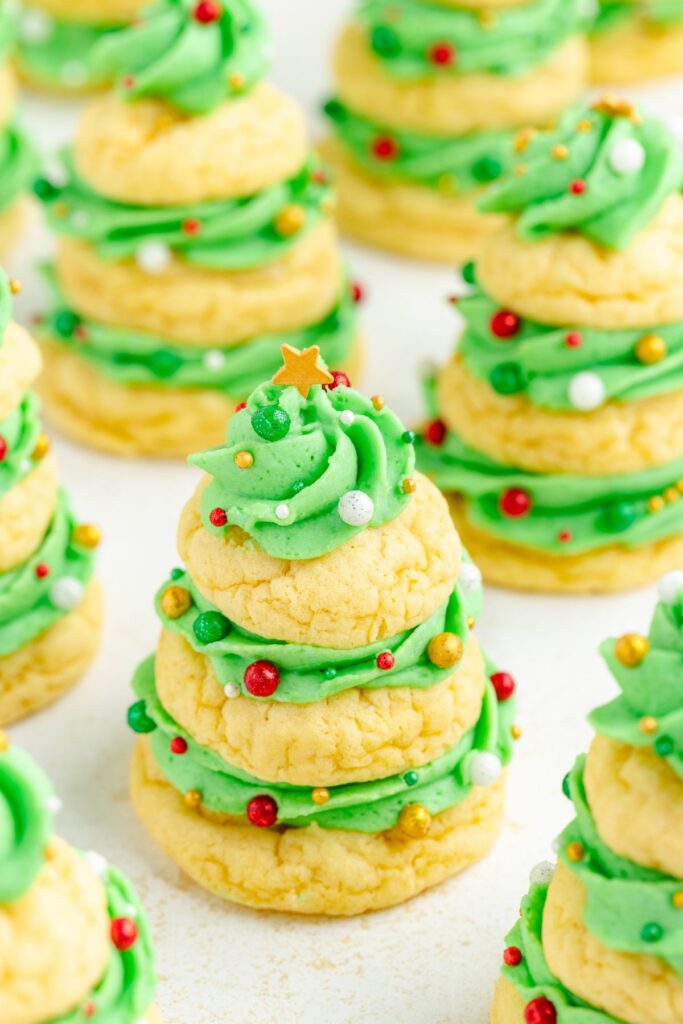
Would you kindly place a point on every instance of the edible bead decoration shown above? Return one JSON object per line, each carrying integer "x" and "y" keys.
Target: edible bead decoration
{"x": 627, "y": 156}
{"x": 377, "y": 402}
{"x": 262, "y": 811}
{"x": 41, "y": 448}
{"x": 652, "y": 932}
{"x": 175, "y": 601}
{"x": 651, "y": 349}
{"x": 138, "y": 719}
{"x": 218, "y": 517}
{"x": 515, "y": 503}
{"x": 677, "y": 899}
{"x": 415, "y": 821}
{"x": 244, "y": 460}
{"x": 67, "y": 593}
{"x": 576, "y": 852}
{"x": 207, "y": 11}
{"x": 86, "y": 535}
{"x": 262, "y": 678}
{"x": 631, "y": 649}
{"x": 339, "y": 380}
{"x": 578, "y": 187}
{"x": 385, "y": 148}
{"x": 505, "y": 324}
{"x": 411, "y": 778}
{"x": 124, "y": 933}
{"x": 540, "y": 1011}
{"x": 435, "y": 432}
{"x": 178, "y": 745}
{"x": 271, "y": 423}
{"x": 356, "y": 508}
{"x": 408, "y": 486}
{"x": 587, "y": 391}
{"x": 210, "y": 627}
{"x": 665, "y": 746}
{"x": 193, "y": 798}
{"x": 648, "y": 725}
{"x": 504, "y": 685}
{"x": 290, "y": 220}
{"x": 442, "y": 54}
{"x": 507, "y": 379}
{"x": 445, "y": 650}
{"x": 320, "y": 796}
{"x": 485, "y": 768}
{"x": 512, "y": 956}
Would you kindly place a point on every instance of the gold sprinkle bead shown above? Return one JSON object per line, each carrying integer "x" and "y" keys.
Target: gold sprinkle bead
{"x": 236, "y": 80}
{"x": 4, "y": 742}
{"x": 244, "y": 460}
{"x": 378, "y": 403}
{"x": 523, "y": 138}
{"x": 290, "y": 220}
{"x": 516, "y": 732}
{"x": 175, "y": 601}
{"x": 631, "y": 649}
{"x": 193, "y": 798}
{"x": 677, "y": 899}
{"x": 648, "y": 725}
{"x": 655, "y": 504}
{"x": 415, "y": 821}
{"x": 584, "y": 125}
{"x": 471, "y": 622}
{"x": 14, "y": 286}
{"x": 86, "y": 535}
{"x": 409, "y": 486}
{"x": 320, "y": 795}
{"x": 41, "y": 448}
{"x": 445, "y": 650}
{"x": 679, "y": 486}
{"x": 672, "y": 494}
{"x": 560, "y": 152}
{"x": 651, "y": 349}
{"x": 576, "y": 852}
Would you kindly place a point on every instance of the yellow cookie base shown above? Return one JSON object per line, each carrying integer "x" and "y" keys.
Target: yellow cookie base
{"x": 634, "y": 52}
{"x": 407, "y": 219}
{"x": 12, "y": 221}
{"x": 91, "y": 12}
{"x": 311, "y": 870}
{"x": 162, "y": 422}
{"x": 618, "y": 438}
{"x": 631, "y": 987}
{"x": 26, "y": 511}
{"x": 20, "y": 364}
{"x": 603, "y": 571}
{"x": 508, "y": 1006}
{"x": 40, "y": 672}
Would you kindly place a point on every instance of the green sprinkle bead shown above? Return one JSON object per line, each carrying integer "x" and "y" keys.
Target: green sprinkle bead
{"x": 210, "y": 627}
{"x": 66, "y": 323}
{"x": 651, "y": 932}
{"x": 411, "y": 778}
{"x": 177, "y": 573}
{"x": 409, "y": 436}
{"x": 45, "y": 190}
{"x": 469, "y": 273}
{"x": 165, "y": 363}
{"x": 298, "y": 486}
{"x": 507, "y": 379}
{"x": 138, "y": 719}
{"x": 330, "y": 673}
{"x": 665, "y": 746}
{"x": 617, "y": 517}
{"x": 335, "y": 111}
{"x": 487, "y": 168}
{"x": 384, "y": 41}
{"x": 271, "y": 423}
{"x": 566, "y": 788}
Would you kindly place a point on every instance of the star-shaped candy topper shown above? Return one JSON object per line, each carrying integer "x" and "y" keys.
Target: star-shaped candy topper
{"x": 302, "y": 369}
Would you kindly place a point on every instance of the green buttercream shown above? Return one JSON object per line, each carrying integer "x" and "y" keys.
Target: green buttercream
{"x": 18, "y": 164}
{"x": 613, "y": 207}
{"x": 20, "y": 431}
{"x": 126, "y": 991}
{"x": 654, "y": 688}
{"x": 25, "y": 822}
{"x": 304, "y": 474}
{"x": 8, "y": 29}
{"x": 611, "y": 14}
{"x": 26, "y": 608}
{"x": 595, "y": 511}
{"x": 63, "y": 56}
{"x": 452, "y": 164}
{"x": 135, "y": 357}
{"x": 360, "y": 807}
{"x": 226, "y": 234}
{"x": 539, "y": 363}
{"x": 404, "y": 33}
{"x": 309, "y": 674}
{"x": 192, "y": 64}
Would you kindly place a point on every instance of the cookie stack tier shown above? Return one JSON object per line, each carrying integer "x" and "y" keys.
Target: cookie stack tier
{"x": 50, "y": 607}
{"x": 18, "y": 159}
{"x": 429, "y": 96}
{"x": 632, "y": 40}
{"x": 324, "y": 735}
{"x": 602, "y": 941}
{"x": 559, "y": 421}
{"x": 195, "y": 236}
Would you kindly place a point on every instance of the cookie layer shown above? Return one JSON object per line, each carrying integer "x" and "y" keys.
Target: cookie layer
{"x": 508, "y": 1005}
{"x": 635, "y": 51}
{"x": 20, "y": 364}
{"x": 106, "y": 12}
{"x": 25, "y": 513}
{"x": 8, "y": 93}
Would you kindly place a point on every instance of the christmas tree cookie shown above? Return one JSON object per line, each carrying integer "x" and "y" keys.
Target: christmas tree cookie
{"x": 195, "y": 236}
{"x": 74, "y": 942}
{"x": 429, "y": 96}
{"x": 636, "y": 39}
{"x": 50, "y": 607}
{"x": 560, "y": 417}
{"x": 600, "y": 937}
{"x": 58, "y": 38}
{"x": 18, "y": 160}
{"x": 319, "y": 732}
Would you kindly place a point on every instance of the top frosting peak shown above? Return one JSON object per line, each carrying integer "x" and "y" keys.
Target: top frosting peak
{"x": 194, "y": 54}
{"x": 604, "y": 171}
{"x": 303, "y": 474}
{"x": 25, "y": 821}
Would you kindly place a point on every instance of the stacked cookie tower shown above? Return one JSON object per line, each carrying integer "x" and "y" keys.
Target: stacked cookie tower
{"x": 429, "y": 95}
{"x": 600, "y": 938}
{"x": 58, "y": 38}
{"x": 324, "y": 736}
{"x": 50, "y": 609}
{"x": 560, "y": 418}
{"x": 18, "y": 161}
{"x": 195, "y": 237}
{"x": 636, "y": 39}
{"x": 74, "y": 942}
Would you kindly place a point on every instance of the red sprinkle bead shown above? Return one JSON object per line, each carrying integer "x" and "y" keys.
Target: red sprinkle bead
{"x": 89, "y": 1010}
{"x": 503, "y": 684}
{"x": 178, "y": 745}
{"x": 435, "y": 432}
{"x": 128, "y": 81}
{"x": 124, "y": 933}
{"x": 207, "y": 11}
{"x": 218, "y": 517}
{"x": 262, "y": 811}
{"x": 339, "y": 380}
{"x": 578, "y": 187}
{"x": 357, "y": 293}
{"x": 192, "y": 226}
{"x": 540, "y": 1011}
{"x": 385, "y": 148}
{"x": 442, "y": 54}
{"x": 564, "y": 536}
{"x": 240, "y": 406}
{"x": 385, "y": 661}
{"x": 505, "y": 324}
{"x": 512, "y": 957}
{"x": 262, "y": 678}
{"x": 573, "y": 339}
{"x": 81, "y": 333}
{"x": 42, "y": 570}
{"x": 515, "y": 503}
{"x": 320, "y": 176}
{"x": 3, "y": 448}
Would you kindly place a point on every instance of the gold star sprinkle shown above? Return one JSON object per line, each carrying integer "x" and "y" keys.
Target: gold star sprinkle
{"x": 615, "y": 106}
{"x": 302, "y": 369}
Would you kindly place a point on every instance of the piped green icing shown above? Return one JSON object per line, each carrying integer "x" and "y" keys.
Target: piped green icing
{"x": 20, "y": 431}
{"x": 194, "y": 56}
{"x": 25, "y": 822}
{"x": 361, "y": 807}
{"x": 404, "y": 35}
{"x": 18, "y": 164}
{"x": 226, "y": 234}
{"x": 8, "y": 29}
{"x": 288, "y": 501}
{"x": 62, "y": 54}
{"x": 583, "y": 190}
{"x": 611, "y": 14}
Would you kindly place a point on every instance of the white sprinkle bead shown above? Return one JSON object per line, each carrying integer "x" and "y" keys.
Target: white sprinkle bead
{"x": 347, "y": 417}
{"x": 36, "y": 27}
{"x": 485, "y": 768}
{"x": 282, "y": 511}
{"x": 231, "y": 690}
{"x": 214, "y": 360}
{"x": 470, "y": 577}
{"x": 67, "y": 593}
{"x": 543, "y": 873}
{"x": 53, "y": 804}
{"x": 356, "y": 508}
{"x": 97, "y": 862}
{"x": 670, "y": 586}
{"x": 153, "y": 257}
{"x": 627, "y": 156}
{"x": 587, "y": 391}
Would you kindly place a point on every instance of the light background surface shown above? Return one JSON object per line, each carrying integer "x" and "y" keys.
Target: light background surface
{"x": 434, "y": 960}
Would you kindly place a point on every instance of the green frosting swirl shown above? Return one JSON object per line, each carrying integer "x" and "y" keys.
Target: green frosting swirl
{"x": 334, "y": 444}
{"x": 20, "y": 431}
{"x": 25, "y": 822}
{"x": 309, "y": 674}
{"x": 584, "y": 191}
{"x": 405, "y": 33}
{"x": 61, "y": 54}
{"x": 225, "y": 234}
{"x": 8, "y": 29}
{"x": 451, "y": 164}
{"x": 568, "y": 514}
{"x": 138, "y": 358}
{"x": 26, "y": 605}
{"x": 18, "y": 164}
{"x": 540, "y": 363}
{"x": 611, "y": 14}
{"x": 194, "y": 56}
{"x": 360, "y": 807}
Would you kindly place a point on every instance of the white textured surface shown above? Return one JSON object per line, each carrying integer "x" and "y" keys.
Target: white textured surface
{"x": 433, "y": 961}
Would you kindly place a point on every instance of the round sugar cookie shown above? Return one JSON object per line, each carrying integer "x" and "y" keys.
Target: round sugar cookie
{"x": 508, "y": 1006}
{"x": 12, "y": 220}
{"x": 636, "y": 51}
{"x": 8, "y": 93}
{"x": 26, "y": 511}
{"x": 91, "y": 12}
